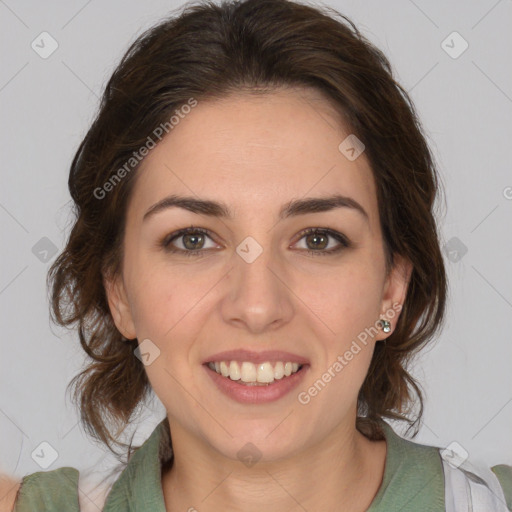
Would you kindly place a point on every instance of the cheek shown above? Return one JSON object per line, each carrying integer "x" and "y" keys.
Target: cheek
{"x": 169, "y": 308}
{"x": 165, "y": 309}
{"x": 161, "y": 296}
{"x": 347, "y": 299}
{"x": 349, "y": 305}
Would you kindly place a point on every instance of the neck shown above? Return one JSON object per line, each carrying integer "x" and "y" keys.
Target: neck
{"x": 343, "y": 472}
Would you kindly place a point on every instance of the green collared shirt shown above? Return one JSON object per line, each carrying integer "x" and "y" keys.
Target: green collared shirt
{"x": 413, "y": 480}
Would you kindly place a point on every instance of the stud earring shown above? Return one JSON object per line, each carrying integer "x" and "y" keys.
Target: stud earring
{"x": 386, "y": 325}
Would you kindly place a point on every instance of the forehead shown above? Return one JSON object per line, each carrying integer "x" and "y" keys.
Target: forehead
{"x": 252, "y": 151}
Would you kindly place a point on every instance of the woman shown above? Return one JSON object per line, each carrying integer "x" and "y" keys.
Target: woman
{"x": 234, "y": 146}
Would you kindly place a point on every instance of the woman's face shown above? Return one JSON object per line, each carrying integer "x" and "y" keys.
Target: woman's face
{"x": 255, "y": 286}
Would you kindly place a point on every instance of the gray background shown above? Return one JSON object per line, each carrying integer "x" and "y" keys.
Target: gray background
{"x": 465, "y": 104}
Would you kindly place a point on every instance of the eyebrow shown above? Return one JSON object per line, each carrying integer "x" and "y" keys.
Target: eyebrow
{"x": 291, "y": 209}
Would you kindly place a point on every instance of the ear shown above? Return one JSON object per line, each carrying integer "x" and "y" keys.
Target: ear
{"x": 119, "y": 305}
{"x": 394, "y": 293}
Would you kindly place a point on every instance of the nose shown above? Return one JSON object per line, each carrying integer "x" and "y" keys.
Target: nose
{"x": 258, "y": 295}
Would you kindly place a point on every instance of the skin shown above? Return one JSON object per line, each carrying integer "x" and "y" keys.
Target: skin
{"x": 8, "y": 488}
{"x": 255, "y": 154}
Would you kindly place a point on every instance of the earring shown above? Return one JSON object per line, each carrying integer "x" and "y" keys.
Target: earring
{"x": 385, "y": 324}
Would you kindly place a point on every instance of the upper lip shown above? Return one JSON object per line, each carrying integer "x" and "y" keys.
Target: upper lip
{"x": 271, "y": 356}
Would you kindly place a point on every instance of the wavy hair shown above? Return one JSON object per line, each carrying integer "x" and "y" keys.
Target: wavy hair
{"x": 209, "y": 51}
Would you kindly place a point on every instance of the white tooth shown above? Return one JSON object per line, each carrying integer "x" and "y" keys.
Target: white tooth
{"x": 248, "y": 372}
{"x": 224, "y": 369}
{"x": 279, "y": 370}
{"x": 234, "y": 371}
{"x": 265, "y": 372}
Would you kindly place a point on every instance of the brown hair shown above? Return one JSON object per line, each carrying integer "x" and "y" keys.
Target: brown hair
{"x": 209, "y": 51}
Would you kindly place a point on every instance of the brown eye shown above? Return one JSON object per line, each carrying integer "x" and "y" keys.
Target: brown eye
{"x": 317, "y": 240}
{"x": 192, "y": 241}
{"x": 189, "y": 241}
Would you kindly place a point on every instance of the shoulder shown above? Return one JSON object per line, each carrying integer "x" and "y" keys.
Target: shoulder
{"x": 56, "y": 490}
{"x": 472, "y": 482}
{"x": 413, "y": 476}
{"x": 62, "y": 489}
{"x": 91, "y": 489}
{"x": 8, "y": 489}
{"x": 446, "y": 478}
{"x": 504, "y": 475}
{"x": 476, "y": 486}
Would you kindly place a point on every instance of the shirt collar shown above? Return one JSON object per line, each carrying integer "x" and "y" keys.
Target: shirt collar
{"x": 412, "y": 475}
{"x": 139, "y": 487}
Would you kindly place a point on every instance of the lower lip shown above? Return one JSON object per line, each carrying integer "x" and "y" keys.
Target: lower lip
{"x": 257, "y": 394}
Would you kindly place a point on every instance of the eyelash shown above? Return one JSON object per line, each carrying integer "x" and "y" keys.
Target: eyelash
{"x": 166, "y": 242}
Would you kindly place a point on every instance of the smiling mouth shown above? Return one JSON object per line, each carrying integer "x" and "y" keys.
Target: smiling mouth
{"x": 250, "y": 374}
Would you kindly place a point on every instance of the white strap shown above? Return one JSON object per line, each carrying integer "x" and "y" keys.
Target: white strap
{"x": 95, "y": 484}
{"x": 468, "y": 489}
{"x": 92, "y": 494}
